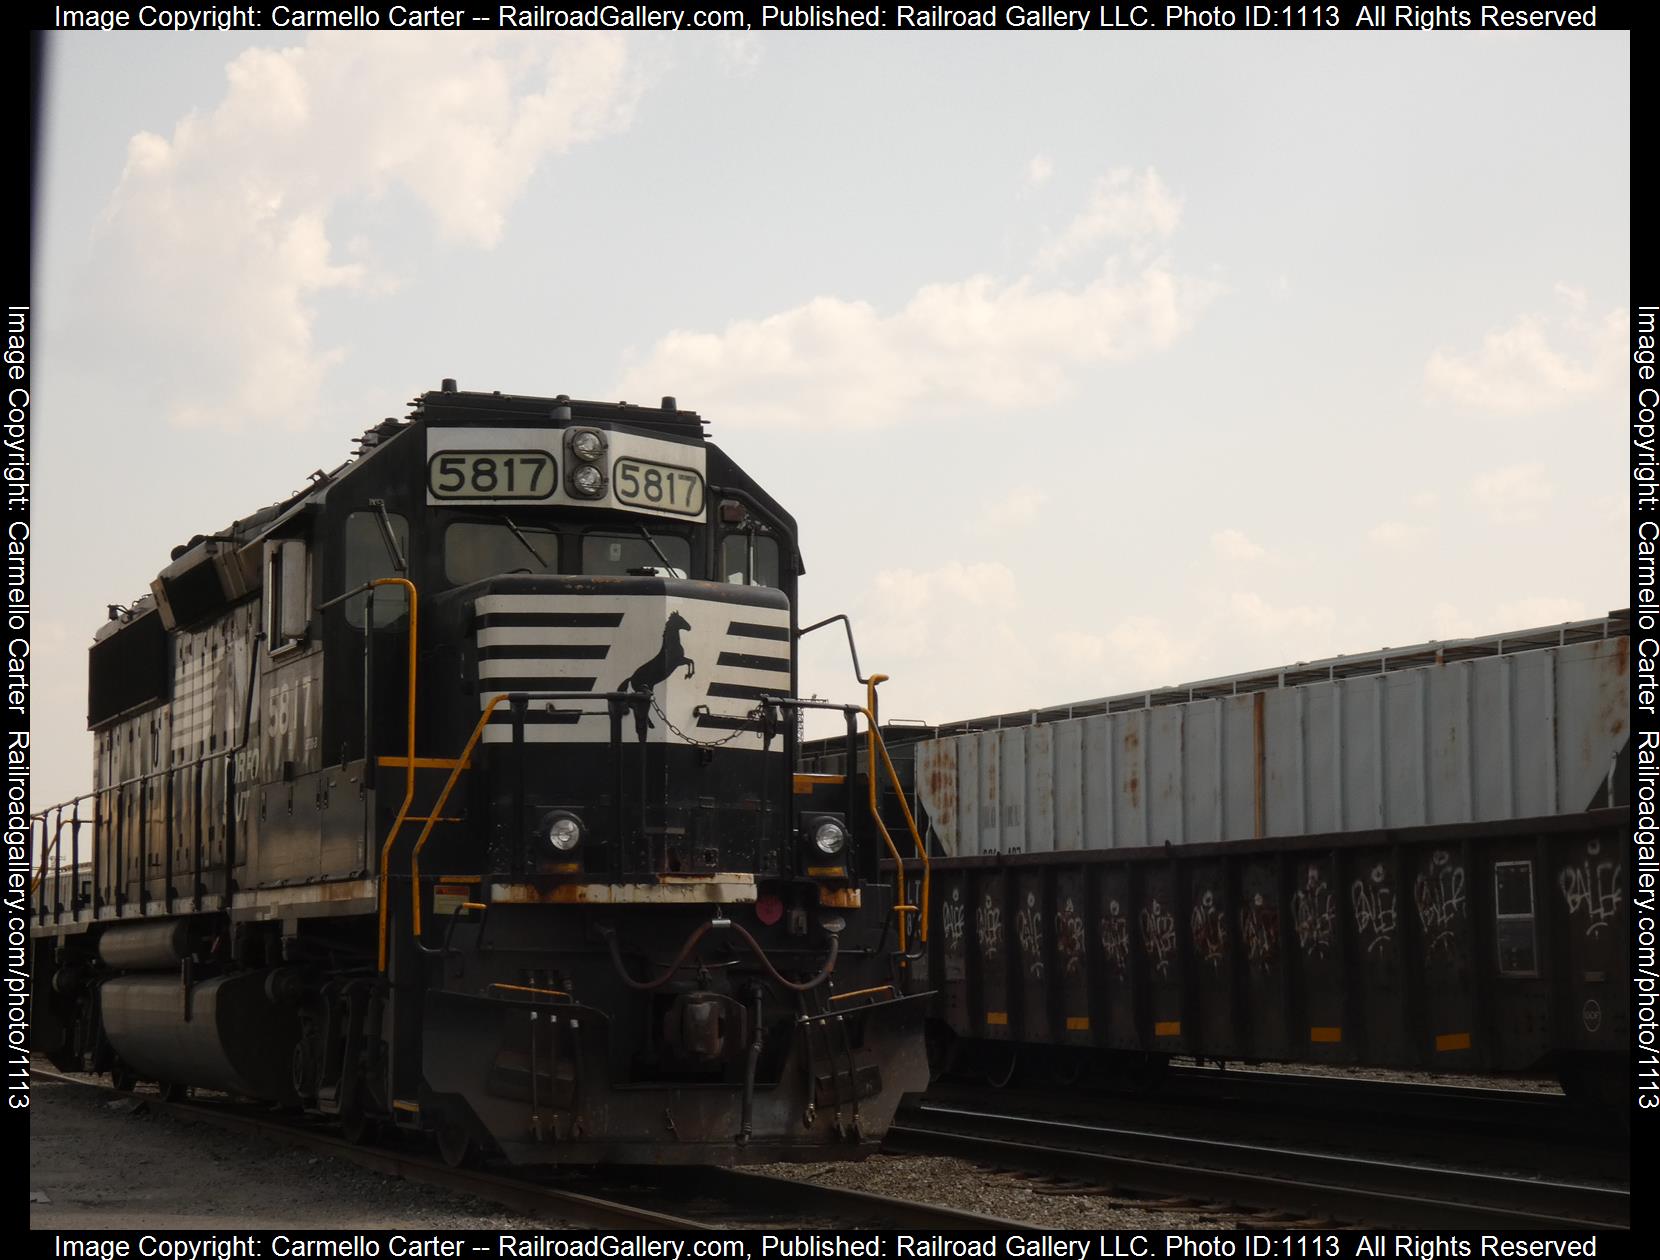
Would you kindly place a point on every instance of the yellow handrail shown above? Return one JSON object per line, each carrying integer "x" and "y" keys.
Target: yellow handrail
{"x": 409, "y": 776}
{"x": 443, "y": 799}
{"x": 874, "y": 743}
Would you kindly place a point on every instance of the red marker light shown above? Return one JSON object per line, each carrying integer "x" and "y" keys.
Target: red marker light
{"x": 769, "y": 909}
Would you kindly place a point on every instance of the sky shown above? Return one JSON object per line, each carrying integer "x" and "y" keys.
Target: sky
{"x": 1087, "y": 362}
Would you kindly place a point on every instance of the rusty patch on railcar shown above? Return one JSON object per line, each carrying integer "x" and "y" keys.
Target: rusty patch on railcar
{"x": 942, "y": 789}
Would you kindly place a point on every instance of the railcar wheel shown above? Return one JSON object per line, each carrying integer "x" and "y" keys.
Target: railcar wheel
{"x": 1067, "y": 1067}
{"x": 173, "y": 1091}
{"x": 122, "y": 1078}
{"x": 1000, "y": 1079}
{"x": 941, "y": 1044}
{"x": 456, "y": 1145}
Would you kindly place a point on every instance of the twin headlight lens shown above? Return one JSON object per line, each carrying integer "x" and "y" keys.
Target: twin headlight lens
{"x": 585, "y": 469}
{"x": 563, "y": 832}
{"x": 830, "y": 837}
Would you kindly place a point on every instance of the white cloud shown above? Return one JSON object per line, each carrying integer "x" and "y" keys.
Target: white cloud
{"x": 1394, "y": 535}
{"x": 977, "y": 343}
{"x": 217, "y": 237}
{"x": 1536, "y": 363}
{"x": 1038, "y": 170}
{"x": 1123, "y": 204}
{"x": 1259, "y": 616}
{"x": 1514, "y": 494}
{"x": 1021, "y": 506}
{"x": 1543, "y": 610}
{"x": 740, "y": 51}
{"x": 1231, "y": 544}
{"x": 1447, "y": 622}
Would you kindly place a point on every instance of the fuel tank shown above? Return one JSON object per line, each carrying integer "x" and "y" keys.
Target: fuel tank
{"x": 223, "y": 1033}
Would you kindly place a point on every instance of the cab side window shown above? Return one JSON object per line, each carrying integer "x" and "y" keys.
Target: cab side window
{"x": 367, "y": 558}
{"x": 287, "y": 595}
{"x": 749, "y": 559}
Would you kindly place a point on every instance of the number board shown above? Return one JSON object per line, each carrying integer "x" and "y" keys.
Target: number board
{"x": 470, "y": 467}
{"x": 661, "y": 487}
{"x": 491, "y": 475}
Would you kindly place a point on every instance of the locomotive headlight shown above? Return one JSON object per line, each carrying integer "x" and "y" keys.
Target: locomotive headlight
{"x": 563, "y": 831}
{"x": 587, "y": 445}
{"x": 830, "y": 836}
{"x": 587, "y": 479}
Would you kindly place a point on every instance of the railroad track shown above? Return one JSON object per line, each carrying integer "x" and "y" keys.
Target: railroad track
{"x": 719, "y": 1196}
{"x": 1517, "y": 1130}
{"x": 1352, "y": 1188}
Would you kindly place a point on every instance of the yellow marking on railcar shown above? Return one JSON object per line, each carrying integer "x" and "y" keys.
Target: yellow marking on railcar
{"x": 1452, "y": 1041}
{"x": 1168, "y": 1028}
{"x": 1077, "y": 1023}
{"x": 1325, "y": 1036}
{"x": 997, "y": 1019}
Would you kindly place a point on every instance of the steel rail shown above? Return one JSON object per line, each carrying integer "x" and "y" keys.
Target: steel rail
{"x": 512, "y": 1192}
{"x": 795, "y": 1199}
{"x": 1260, "y": 1176}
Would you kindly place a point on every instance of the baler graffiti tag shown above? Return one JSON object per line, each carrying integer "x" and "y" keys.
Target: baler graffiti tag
{"x": 1375, "y": 913}
{"x": 1439, "y": 895}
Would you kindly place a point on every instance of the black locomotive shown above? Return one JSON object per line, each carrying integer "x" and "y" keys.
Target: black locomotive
{"x": 458, "y": 793}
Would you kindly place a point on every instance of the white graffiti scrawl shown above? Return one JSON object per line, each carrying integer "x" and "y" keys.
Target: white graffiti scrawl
{"x": 1439, "y": 894}
{"x": 1314, "y": 911}
{"x": 1594, "y": 887}
{"x": 988, "y": 926}
{"x": 1028, "y": 925}
{"x": 1158, "y": 935}
{"x": 1115, "y": 938}
{"x": 1069, "y": 937}
{"x": 953, "y": 918}
{"x": 1210, "y": 930}
{"x": 1375, "y": 914}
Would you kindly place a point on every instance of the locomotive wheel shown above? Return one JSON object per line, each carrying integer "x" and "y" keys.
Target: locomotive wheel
{"x": 359, "y": 1128}
{"x": 173, "y": 1091}
{"x": 456, "y": 1145}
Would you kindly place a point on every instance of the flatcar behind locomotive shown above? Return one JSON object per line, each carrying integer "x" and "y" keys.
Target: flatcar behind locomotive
{"x": 457, "y": 793}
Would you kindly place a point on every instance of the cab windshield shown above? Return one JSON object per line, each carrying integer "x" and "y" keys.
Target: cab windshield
{"x": 479, "y": 549}
{"x": 630, "y": 553}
